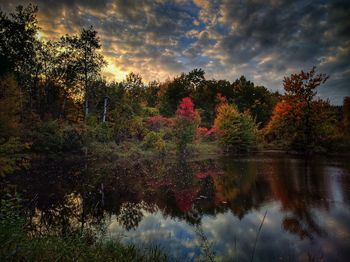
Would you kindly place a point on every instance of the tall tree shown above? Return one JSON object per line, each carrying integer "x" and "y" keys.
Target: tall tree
{"x": 301, "y": 89}
{"x": 346, "y": 115}
{"x": 303, "y": 123}
{"x": 91, "y": 61}
{"x": 17, "y": 47}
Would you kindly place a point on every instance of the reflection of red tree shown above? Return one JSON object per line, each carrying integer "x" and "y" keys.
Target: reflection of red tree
{"x": 185, "y": 198}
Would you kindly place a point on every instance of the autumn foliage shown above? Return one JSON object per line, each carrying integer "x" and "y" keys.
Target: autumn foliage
{"x": 186, "y": 123}
{"x": 186, "y": 109}
{"x": 237, "y": 131}
{"x": 302, "y": 123}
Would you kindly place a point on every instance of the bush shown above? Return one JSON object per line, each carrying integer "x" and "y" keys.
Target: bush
{"x": 149, "y": 111}
{"x": 72, "y": 139}
{"x": 46, "y": 137}
{"x": 54, "y": 137}
{"x": 237, "y": 131}
{"x": 155, "y": 123}
{"x": 10, "y": 156}
{"x": 205, "y": 134}
{"x": 155, "y": 141}
{"x": 102, "y": 132}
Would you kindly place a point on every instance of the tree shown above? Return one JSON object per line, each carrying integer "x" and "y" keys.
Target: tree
{"x": 237, "y": 131}
{"x": 346, "y": 115}
{"x": 9, "y": 107}
{"x": 135, "y": 90}
{"x": 257, "y": 99}
{"x": 186, "y": 123}
{"x": 90, "y": 62}
{"x": 17, "y": 47}
{"x": 152, "y": 93}
{"x": 300, "y": 121}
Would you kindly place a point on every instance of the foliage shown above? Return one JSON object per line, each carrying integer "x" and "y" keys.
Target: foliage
{"x": 149, "y": 111}
{"x": 55, "y": 89}
{"x": 154, "y": 140}
{"x": 9, "y": 107}
{"x": 346, "y": 116}
{"x": 301, "y": 122}
{"x": 186, "y": 123}
{"x": 257, "y": 99}
{"x": 155, "y": 123}
{"x": 55, "y": 137}
{"x": 206, "y": 134}
{"x": 10, "y": 155}
{"x": 237, "y": 131}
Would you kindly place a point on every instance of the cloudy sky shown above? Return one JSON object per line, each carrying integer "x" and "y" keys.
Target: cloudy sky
{"x": 261, "y": 39}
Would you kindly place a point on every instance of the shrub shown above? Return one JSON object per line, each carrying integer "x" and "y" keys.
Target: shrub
{"x": 72, "y": 139}
{"x": 136, "y": 128}
{"x": 154, "y": 140}
{"x": 10, "y": 158}
{"x": 149, "y": 111}
{"x": 206, "y": 134}
{"x": 132, "y": 128}
{"x": 46, "y": 137}
{"x": 201, "y": 133}
{"x": 55, "y": 137}
{"x": 237, "y": 131}
{"x": 155, "y": 123}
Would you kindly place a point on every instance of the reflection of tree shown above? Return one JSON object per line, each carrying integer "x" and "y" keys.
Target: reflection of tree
{"x": 240, "y": 187}
{"x": 130, "y": 215}
{"x": 302, "y": 188}
{"x": 69, "y": 195}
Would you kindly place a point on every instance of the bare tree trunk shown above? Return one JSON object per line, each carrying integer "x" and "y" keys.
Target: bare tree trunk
{"x": 86, "y": 106}
{"x": 86, "y": 84}
{"x": 104, "y": 110}
{"x": 63, "y": 107}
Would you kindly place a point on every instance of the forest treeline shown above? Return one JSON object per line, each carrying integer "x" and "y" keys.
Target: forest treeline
{"x": 54, "y": 99}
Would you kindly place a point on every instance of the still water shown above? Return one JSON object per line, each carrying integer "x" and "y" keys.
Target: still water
{"x": 266, "y": 207}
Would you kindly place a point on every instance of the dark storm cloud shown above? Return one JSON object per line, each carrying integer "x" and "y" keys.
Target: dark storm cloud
{"x": 262, "y": 39}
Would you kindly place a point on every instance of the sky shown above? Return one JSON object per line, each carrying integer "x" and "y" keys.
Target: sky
{"x": 263, "y": 40}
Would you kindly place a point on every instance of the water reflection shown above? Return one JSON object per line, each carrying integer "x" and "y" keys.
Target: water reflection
{"x": 200, "y": 209}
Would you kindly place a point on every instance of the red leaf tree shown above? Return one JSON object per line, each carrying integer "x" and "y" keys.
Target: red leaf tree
{"x": 187, "y": 121}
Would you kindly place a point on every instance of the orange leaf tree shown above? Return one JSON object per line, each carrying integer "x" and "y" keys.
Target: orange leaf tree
{"x": 298, "y": 119}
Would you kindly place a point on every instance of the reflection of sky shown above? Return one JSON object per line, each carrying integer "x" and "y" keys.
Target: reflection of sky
{"x": 234, "y": 238}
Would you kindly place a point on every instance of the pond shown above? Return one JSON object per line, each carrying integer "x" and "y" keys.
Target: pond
{"x": 265, "y": 207}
